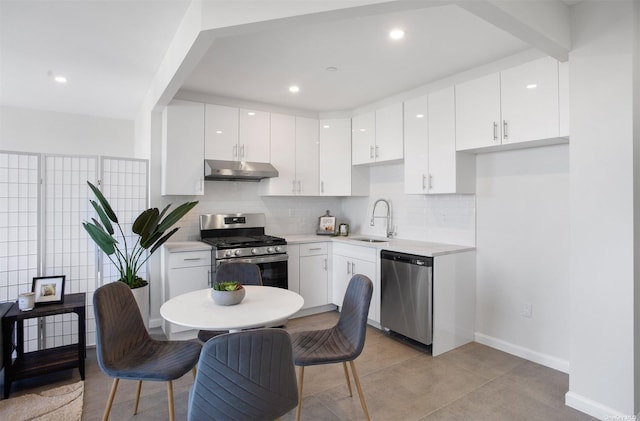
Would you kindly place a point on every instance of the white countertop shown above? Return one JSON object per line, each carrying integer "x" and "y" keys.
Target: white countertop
{"x": 421, "y": 248}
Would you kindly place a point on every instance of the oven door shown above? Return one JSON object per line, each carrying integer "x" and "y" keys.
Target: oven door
{"x": 273, "y": 268}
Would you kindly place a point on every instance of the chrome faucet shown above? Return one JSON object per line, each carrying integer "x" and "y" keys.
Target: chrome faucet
{"x": 388, "y": 217}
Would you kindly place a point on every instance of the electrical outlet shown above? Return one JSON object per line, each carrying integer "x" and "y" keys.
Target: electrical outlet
{"x": 527, "y": 310}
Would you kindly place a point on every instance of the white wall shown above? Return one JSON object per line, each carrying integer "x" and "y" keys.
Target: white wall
{"x": 602, "y": 329}
{"x": 445, "y": 218}
{"x": 522, "y": 226}
{"x": 36, "y": 131}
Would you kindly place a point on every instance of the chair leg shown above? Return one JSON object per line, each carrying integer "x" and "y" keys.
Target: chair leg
{"x": 135, "y": 409}
{"x": 172, "y": 416}
{"x": 346, "y": 376}
{"x": 112, "y": 394}
{"x": 357, "y": 380}
{"x": 194, "y": 371}
{"x": 300, "y": 382}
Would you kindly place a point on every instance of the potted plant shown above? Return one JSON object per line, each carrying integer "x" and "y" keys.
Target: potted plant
{"x": 227, "y": 293}
{"x": 151, "y": 227}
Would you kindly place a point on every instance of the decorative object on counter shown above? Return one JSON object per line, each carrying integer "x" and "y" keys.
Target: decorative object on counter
{"x": 343, "y": 230}
{"x": 48, "y": 289}
{"x": 26, "y": 301}
{"x": 150, "y": 226}
{"x": 326, "y": 224}
{"x": 227, "y": 293}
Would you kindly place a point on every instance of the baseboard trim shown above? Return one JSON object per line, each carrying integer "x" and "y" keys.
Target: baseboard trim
{"x": 593, "y": 408}
{"x": 526, "y": 353}
{"x": 155, "y": 323}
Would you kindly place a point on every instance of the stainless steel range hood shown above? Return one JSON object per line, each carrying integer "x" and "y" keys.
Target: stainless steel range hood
{"x": 237, "y": 170}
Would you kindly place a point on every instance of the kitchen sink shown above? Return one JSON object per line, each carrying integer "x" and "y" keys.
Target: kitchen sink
{"x": 371, "y": 240}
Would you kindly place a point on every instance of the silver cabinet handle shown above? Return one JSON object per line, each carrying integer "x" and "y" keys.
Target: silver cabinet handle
{"x": 371, "y": 152}
{"x": 424, "y": 181}
{"x": 235, "y": 151}
{"x": 242, "y": 151}
{"x": 430, "y": 181}
{"x": 377, "y": 154}
{"x": 348, "y": 268}
{"x": 315, "y": 248}
{"x": 322, "y": 187}
{"x": 293, "y": 186}
{"x": 495, "y": 131}
{"x": 325, "y": 264}
{"x": 505, "y": 126}
{"x": 191, "y": 259}
{"x": 353, "y": 268}
{"x": 299, "y": 186}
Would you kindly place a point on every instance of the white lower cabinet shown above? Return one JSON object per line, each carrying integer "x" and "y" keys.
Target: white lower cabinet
{"x": 349, "y": 260}
{"x": 309, "y": 272}
{"x": 183, "y": 270}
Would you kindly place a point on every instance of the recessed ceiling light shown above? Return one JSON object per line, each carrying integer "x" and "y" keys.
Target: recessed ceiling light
{"x": 532, "y": 86}
{"x": 331, "y": 69}
{"x": 294, "y": 89}
{"x": 363, "y": 130}
{"x": 419, "y": 115}
{"x": 396, "y": 34}
{"x": 326, "y": 126}
{"x": 60, "y": 79}
{"x": 251, "y": 113}
{"x": 218, "y": 131}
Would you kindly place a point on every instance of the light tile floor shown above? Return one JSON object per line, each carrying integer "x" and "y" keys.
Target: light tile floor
{"x": 400, "y": 382}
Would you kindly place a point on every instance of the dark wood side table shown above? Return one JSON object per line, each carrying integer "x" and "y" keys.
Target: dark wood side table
{"x": 29, "y": 364}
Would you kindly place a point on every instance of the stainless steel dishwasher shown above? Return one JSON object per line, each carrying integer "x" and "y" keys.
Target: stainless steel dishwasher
{"x": 406, "y": 293}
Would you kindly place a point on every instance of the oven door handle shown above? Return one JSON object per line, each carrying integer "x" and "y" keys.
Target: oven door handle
{"x": 256, "y": 259}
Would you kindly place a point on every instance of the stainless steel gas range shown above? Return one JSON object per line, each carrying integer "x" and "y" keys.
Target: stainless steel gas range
{"x": 240, "y": 237}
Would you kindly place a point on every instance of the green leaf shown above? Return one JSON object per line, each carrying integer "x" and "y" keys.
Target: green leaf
{"x": 105, "y": 204}
{"x": 145, "y": 223}
{"x": 103, "y": 217}
{"x": 149, "y": 241}
{"x": 163, "y": 240}
{"x": 101, "y": 238}
{"x": 175, "y": 216}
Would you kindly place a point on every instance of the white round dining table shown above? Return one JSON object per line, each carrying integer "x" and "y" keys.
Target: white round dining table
{"x": 261, "y": 306}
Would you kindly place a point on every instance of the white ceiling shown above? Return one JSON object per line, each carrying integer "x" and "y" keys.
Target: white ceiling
{"x": 109, "y": 51}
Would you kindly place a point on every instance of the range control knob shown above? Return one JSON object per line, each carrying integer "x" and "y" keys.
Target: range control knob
{"x": 227, "y": 253}
{"x": 278, "y": 249}
{"x": 269, "y": 249}
{"x": 236, "y": 252}
{"x": 254, "y": 251}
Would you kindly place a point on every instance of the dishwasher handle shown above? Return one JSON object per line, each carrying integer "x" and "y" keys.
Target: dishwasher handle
{"x": 411, "y": 259}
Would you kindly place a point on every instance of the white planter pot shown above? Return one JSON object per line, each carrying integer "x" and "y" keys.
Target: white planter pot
{"x": 142, "y": 299}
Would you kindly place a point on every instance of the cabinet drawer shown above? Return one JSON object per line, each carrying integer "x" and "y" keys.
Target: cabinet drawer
{"x": 313, "y": 249}
{"x": 189, "y": 259}
{"x": 357, "y": 252}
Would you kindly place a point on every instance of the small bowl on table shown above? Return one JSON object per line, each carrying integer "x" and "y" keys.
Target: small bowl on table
{"x": 225, "y": 295}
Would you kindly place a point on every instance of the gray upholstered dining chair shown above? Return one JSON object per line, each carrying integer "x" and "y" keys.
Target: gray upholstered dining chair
{"x": 341, "y": 343}
{"x": 126, "y": 351}
{"x": 245, "y": 273}
{"x": 245, "y": 375}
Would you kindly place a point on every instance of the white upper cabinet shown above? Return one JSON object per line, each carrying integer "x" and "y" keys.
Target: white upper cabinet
{"x": 253, "y": 136}
{"x": 520, "y": 104}
{"x": 221, "y": 133}
{"x": 363, "y": 138}
{"x": 294, "y": 153}
{"x": 389, "y": 133}
{"x": 183, "y": 148}
{"x": 431, "y": 162}
{"x": 478, "y": 113}
{"x": 416, "y": 146}
{"x": 307, "y": 150}
{"x": 337, "y": 176}
{"x": 378, "y": 136}
{"x": 529, "y": 99}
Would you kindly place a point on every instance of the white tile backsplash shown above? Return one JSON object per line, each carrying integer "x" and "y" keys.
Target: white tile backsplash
{"x": 436, "y": 218}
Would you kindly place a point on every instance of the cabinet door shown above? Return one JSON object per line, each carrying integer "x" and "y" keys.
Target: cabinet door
{"x": 293, "y": 267}
{"x": 530, "y": 107}
{"x": 283, "y": 144}
{"x": 389, "y": 137}
{"x": 335, "y": 157}
{"x": 368, "y": 269}
{"x": 442, "y": 142}
{"x": 306, "y": 153}
{"x": 221, "y": 132}
{"x": 363, "y": 138}
{"x": 341, "y": 275}
{"x": 254, "y": 136}
{"x": 416, "y": 149}
{"x": 314, "y": 280}
{"x": 478, "y": 113}
{"x": 183, "y": 148}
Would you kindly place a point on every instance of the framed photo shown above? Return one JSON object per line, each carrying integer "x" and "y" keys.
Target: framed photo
{"x": 49, "y": 289}
{"x": 326, "y": 225}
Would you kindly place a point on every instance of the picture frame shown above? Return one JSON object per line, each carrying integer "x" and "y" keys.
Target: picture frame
{"x": 326, "y": 225}
{"x": 48, "y": 289}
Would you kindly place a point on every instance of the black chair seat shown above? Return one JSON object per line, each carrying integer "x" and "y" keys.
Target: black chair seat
{"x": 322, "y": 347}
